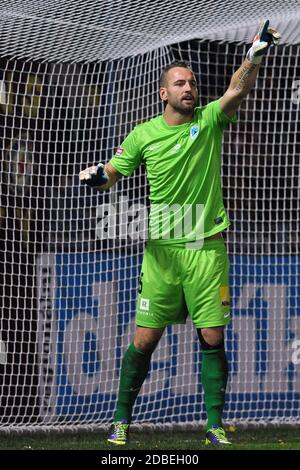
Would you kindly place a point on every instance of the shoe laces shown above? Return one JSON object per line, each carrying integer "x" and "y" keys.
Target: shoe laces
{"x": 219, "y": 432}
{"x": 120, "y": 430}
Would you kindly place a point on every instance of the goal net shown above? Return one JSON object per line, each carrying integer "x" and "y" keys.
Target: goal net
{"x": 74, "y": 81}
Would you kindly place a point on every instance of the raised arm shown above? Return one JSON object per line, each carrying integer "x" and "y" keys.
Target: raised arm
{"x": 244, "y": 78}
{"x": 100, "y": 177}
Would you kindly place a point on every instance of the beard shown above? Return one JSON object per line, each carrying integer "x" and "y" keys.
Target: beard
{"x": 182, "y": 107}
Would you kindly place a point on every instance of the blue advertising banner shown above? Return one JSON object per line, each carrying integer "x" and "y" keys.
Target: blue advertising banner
{"x": 94, "y": 298}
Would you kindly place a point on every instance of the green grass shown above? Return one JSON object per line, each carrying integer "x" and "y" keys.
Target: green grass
{"x": 250, "y": 439}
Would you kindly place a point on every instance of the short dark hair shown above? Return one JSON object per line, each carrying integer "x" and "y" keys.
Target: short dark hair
{"x": 184, "y": 65}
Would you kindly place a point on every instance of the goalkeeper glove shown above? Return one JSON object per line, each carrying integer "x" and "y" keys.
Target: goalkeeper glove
{"x": 261, "y": 42}
{"x": 94, "y": 175}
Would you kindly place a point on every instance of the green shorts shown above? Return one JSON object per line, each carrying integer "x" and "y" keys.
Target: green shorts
{"x": 176, "y": 282}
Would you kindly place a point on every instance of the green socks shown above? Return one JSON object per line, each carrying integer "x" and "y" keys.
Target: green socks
{"x": 135, "y": 366}
{"x": 214, "y": 381}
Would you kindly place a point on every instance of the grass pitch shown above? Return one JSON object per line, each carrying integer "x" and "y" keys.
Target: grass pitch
{"x": 242, "y": 439}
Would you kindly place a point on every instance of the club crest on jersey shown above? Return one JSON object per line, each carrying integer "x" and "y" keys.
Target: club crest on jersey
{"x": 119, "y": 151}
{"x": 194, "y": 132}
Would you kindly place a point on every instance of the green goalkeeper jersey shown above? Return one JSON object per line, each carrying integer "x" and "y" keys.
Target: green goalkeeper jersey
{"x": 183, "y": 165}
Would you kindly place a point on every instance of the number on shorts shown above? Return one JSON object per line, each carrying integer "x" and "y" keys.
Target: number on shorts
{"x": 141, "y": 284}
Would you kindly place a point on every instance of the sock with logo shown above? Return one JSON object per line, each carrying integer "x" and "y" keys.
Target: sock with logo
{"x": 214, "y": 381}
{"x": 135, "y": 366}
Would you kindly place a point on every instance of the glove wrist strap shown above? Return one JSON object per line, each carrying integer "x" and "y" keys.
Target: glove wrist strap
{"x": 252, "y": 58}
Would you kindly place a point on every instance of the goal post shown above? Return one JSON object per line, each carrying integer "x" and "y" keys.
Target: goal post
{"x": 71, "y": 257}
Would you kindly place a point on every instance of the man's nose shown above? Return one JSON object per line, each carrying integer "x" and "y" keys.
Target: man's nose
{"x": 187, "y": 86}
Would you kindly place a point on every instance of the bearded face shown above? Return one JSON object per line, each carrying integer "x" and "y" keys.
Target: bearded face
{"x": 180, "y": 91}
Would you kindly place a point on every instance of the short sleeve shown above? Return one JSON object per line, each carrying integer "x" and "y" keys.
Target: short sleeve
{"x": 128, "y": 156}
{"x": 214, "y": 116}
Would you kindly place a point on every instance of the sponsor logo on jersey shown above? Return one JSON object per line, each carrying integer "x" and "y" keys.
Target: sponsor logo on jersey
{"x": 119, "y": 151}
{"x": 154, "y": 147}
{"x": 194, "y": 132}
{"x": 176, "y": 148}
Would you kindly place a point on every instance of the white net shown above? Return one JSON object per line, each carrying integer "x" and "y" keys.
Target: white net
{"x": 77, "y": 31}
{"x": 71, "y": 257}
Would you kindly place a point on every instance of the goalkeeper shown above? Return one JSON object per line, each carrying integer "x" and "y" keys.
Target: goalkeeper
{"x": 186, "y": 274}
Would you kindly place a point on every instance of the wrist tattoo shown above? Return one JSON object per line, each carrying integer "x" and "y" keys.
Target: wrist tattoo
{"x": 244, "y": 75}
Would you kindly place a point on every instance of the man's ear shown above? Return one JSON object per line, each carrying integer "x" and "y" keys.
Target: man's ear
{"x": 163, "y": 93}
